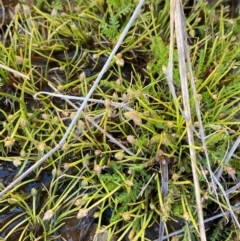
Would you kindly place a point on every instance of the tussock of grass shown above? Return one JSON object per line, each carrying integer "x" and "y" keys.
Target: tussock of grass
{"x": 129, "y": 150}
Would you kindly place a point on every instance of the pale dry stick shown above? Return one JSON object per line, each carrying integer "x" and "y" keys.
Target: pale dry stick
{"x": 227, "y": 200}
{"x": 225, "y": 194}
{"x": 169, "y": 70}
{"x": 205, "y": 221}
{"x": 205, "y": 145}
{"x": 70, "y": 97}
{"x": 62, "y": 141}
{"x": 145, "y": 186}
{"x": 236, "y": 144}
{"x": 181, "y": 44}
{"x": 233, "y": 189}
{"x": 15, "y": 72}
{"x": 198, "y": 112}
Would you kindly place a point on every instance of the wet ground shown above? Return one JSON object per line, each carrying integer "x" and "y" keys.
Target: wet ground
{"x": 73, "y": 229}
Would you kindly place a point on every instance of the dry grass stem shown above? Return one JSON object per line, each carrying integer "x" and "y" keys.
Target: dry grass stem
{"x": 181, "y": 47}
{"x": 15, "y": 72}
{"x": 207, "y": 220}
{"x": 70, "y": 97}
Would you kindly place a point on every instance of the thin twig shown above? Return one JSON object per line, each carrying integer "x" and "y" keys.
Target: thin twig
{"x": 169, "y": 70}
{"x": 70, "y": 97}
{"x": 205, "y": 221}
{"x": 15, "y": 72}
{"x": 233, "y": 189}
{"x": 181, "y": 45}
{"x": 228, "y": 157}
{"x": 145, "y": 186}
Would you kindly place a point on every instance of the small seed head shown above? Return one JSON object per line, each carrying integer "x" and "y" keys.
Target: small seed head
{"x": 65, "y": 113}
{"x": 96, "y": 215}
{"x": 196, "y": 124}
{"x": 131, "y": 93}
{"x": 17, "y": 162}
{"x": 170, "y": 124}
{"x": 60, "y": 88}
{"x": 126, "y": 216}
{"x": 23, "y": 122}
{"x": 214, "y": 97}
{"x": 206, "y": 196}
{"x": 175, "y": 176}
{"x": 48, "y": 214}
{"x": 125, "y": 98}
{"x": 217, "y": 127}
{"x": 97, "y": 169}
{"x": 85, "y": 53}
{"x": 152, "y": 206}
{"x": 119, "y": 81}
{"x": 82, "y": 77}
{"x": 107, "y": 103}
{"x": 10, "y": 117}
{"x": 56, "y": 172}
{"x": 133, "y": 115}
{"x": 23, "y": 153}
{"x": 115, "y": 97}
{"x": 147, "y": 113}
{"x": 84, "y": 183}
{"x": 45, "y": 116}
{"x": 182, "y": 169}
{"x": 66, "y": 166}
{"x": 111, "y": 113}
{"x": 97, "y": 152}
{"x": 95, "y": 56}
{"x": 81, "y": 125}
{"x": 78, "y": 202}
{"x": 221, "y": 115}
{"x": 149, "y": 68}
{"x": 231, "y": 171}
{"x": 186, "y": 216}
{"x": 199, "y": 97}
{"x": 82, "y": 213}
{"x": 19, "y": 60}
{"x": 65, "y": 147}
{"x": 9, "y": 142}
{"x": 120, "y": 60}
{"x": 34, "y": 191}
{"x": 129, "y": 183}
{"x": 131, "y": 139}
{"x": 72, "y": 115}
{"x": 41, "y": 146}
{"x": 119, "y": 155}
